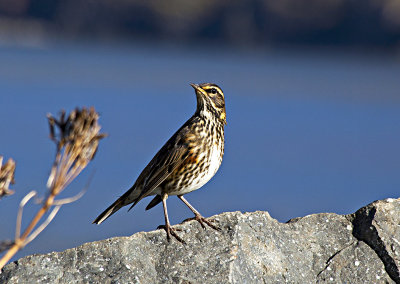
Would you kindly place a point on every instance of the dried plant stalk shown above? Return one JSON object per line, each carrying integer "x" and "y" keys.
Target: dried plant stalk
{"x": 77, "y": 138}
{"x": 6, "y": 177}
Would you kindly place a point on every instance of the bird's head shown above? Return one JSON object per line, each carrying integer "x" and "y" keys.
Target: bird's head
{"x": 210, "y": 101}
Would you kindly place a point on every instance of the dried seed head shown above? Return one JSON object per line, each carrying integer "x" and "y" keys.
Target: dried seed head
{"x": 6, "y": 176}
{"x": 77, "y": 138}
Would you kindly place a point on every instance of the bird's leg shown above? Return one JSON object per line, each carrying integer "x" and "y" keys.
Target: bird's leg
{"x": 197, "y": 215}
{"x": 170, "y": 231}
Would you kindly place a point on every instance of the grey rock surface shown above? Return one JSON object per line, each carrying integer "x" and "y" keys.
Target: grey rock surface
{"x": 251, "y": 248}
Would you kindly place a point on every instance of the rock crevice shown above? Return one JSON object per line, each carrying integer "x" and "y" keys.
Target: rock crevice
{"x": 331, "y": 258}
{"x": 366, "y": 228}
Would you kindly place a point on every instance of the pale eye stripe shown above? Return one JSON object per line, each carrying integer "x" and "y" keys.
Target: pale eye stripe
{"x": 215, "y": 87}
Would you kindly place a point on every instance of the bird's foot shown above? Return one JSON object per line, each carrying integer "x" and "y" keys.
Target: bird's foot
{"x": 171, "y": 231}
{"x": 203, "y": 221}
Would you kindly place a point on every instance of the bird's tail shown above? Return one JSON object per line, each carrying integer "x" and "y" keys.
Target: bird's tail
{"x": 109, "y": 211}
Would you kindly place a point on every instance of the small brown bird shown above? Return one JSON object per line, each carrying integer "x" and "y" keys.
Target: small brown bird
{"x": 188, "y": 160}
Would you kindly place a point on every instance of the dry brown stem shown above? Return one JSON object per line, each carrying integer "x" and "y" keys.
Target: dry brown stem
{"x": 77, "y": 138}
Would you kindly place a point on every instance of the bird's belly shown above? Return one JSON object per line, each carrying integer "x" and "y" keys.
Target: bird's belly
{"x": 201, "y": 174}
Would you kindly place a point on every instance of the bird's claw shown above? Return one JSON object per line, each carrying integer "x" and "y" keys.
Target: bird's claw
{"x": 171, "y": 231}
{"x": 203, "y": 220}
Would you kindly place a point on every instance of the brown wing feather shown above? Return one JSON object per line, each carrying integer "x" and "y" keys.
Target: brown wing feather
{"x": 170, "y": 157}
{"x": 164, "y": 169}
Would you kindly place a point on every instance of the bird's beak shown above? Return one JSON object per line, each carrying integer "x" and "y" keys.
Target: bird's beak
{"x": 197, "y": 88}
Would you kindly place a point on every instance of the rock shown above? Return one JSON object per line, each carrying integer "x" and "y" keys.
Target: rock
{"x": 251, "y": 247}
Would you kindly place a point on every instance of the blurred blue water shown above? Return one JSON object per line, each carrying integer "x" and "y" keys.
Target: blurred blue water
{"x": 306, "y": 132}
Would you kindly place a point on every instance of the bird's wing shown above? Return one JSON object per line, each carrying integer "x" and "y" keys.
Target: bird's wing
{"x": 164, "y": 166}
{"x": 170, "y": 157}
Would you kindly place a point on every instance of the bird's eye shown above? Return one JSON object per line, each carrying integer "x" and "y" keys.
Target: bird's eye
{"x": 213, "y": 91}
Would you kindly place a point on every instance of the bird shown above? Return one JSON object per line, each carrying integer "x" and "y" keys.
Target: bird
{"x": 186, "y": 162}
